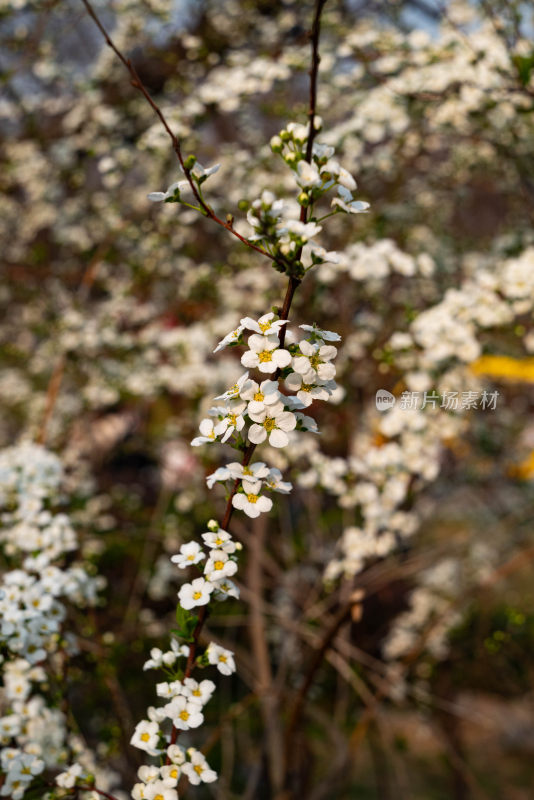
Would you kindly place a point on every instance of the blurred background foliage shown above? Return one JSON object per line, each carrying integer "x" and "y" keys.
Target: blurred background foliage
{"x": 431, "y": 108}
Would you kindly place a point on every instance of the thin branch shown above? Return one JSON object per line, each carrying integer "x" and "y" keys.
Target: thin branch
{"x": 137, "y": 83}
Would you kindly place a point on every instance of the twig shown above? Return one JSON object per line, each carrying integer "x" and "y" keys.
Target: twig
{"x": 260, "y": 650}
{"x": 298, "y": 706}
{"x": 137, "y": 83}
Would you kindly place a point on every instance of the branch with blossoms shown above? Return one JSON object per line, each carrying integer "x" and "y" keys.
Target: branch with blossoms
{"x": 268, "y": 407}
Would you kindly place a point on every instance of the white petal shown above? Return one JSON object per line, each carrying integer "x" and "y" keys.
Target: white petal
{"x": 307, "y": 348}
{"x": 286, "y": 421}
{"x": 282, "y": 358}
{"x": 264, "y": 504}
{"x": 301, "y": 364}
{"x": 156, "y": 197}
{"x": 326, "y": 371}
{"x": 250, "y": 359}
{"x": 278, "y": 438}
{"x": 257, "y": 434}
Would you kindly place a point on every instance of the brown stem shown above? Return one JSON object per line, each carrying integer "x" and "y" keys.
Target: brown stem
{"x": 298, "y": 706}
{"x": 137, "y": 83}
{"x": 314, "y": 69}
{"x": 263, "y": 686}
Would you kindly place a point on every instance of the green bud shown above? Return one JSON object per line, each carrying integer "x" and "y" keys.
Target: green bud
{"x": 303, "y": 199}
{"x": 291, "y": 158}
{"x": 285, "y": 136}
{"x": 243, "y": 205}
{"x": 190, "y": 162}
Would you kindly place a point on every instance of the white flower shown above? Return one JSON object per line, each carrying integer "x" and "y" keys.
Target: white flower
{"x": 159, "y": 790}
{"x": 265, "y": 325}
{"x": 308, "y": 175}
{"x": 346, "y": 203}
{"x": 190, "y": 553}
{"x": 201, "y": 173}
{"x": 197, "y": 769}
{"x": 159, "y": 197}
{"x": 327, "y": 336}
{"x": 138, "y": 791}
{"x": 219, "y": 565}
{"x": 319, "y": 254}
{"x": 343, "y": 176}
{"x": 219, "y": 540}
{"x": 221, "y": 658}
{"x": 194, "y": 594}
{"x": 184, "y": 712}
{"x": 307, "y": 423}
{"x": 265, "y": 354}
{"x": 314, "y": 361}
{"x": 250, "y": 501}
{"x": 155, "y": 659}
{"x": 230, "y": 338}
{"x": 170, "y": 774}
{"x": 275, "y": 482}
{"x": 234, "y": 392}
{"x": 68, "y": 778}
{"x": 208, "y": 433}
{"x": 148, "y": 773}
{"x": 260, "y": 395}
{"x": 226, "y": 588}
{"x": 201, "y": 692}
{"x": 303, "y": 231}
{"x": 231, "y": 421}
{"x": 256, "y": 471}
{"x": 306, "y": 392}
{"x": 146, "y": 737}
{"x": 220, "y": 474}
{"x": 272, "y": 422}
{"x": 176, "y": 754}
{"x": 323, "y": 150}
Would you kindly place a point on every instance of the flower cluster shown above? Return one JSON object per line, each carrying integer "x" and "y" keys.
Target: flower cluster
{"x": 249, "y": 413}
{"x": 185, "y": 697}
{"x": 257, "y": 411}
{"x": 37, "y": 539}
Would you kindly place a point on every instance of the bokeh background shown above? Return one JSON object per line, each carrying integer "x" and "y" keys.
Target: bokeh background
{"x": 111, "y": 307}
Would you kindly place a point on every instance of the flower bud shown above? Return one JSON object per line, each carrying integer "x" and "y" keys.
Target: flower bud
{"x": 276, "y": 144}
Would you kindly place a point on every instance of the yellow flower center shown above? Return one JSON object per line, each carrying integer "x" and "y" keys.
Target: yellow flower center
{"x": 232, "y": 420}
{"x": 191, "y": 558}
{"x": 247, "y": 471}
{"x": 233, "y": 389}
{"x": 198, "y": 769}
{"x": 265, "y": 355}
{"x": 264, "y": 326}
{"x": 222, "y": 658}
{"x": 269, "y": 423}
{"x": 252, "y": 498}
{"x": 159, "y": 797}
{"x": 197, "y": 595}
{"x": 306, "y": 387}
{"x": 259, "y": 396}
{"x": 145, "y": 737}
{"x": 219, "y": 564}
{"x": 173, "y": 773}
{"x": 184, "y": 715}
{"x": 218, "y": 541}
{"x": 315, "y": 361}
{"x": 196, "y": 693}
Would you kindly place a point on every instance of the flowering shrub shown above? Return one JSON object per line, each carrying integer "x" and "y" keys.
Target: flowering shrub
{"x": 281, "y": 604}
